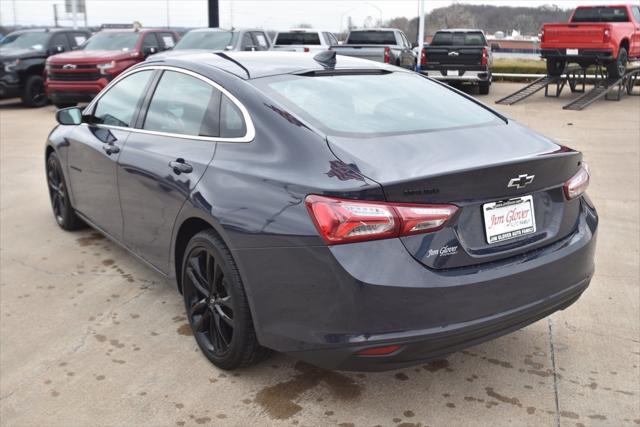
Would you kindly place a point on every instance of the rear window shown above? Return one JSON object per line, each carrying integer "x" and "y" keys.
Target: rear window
{"x": 297, "y": 38}
{"x": 600, "y": 14}
{"x": 374, "y": 104}
{"x": 371, "y": 37}
{"x": 448, "y": 38}
{"x": 213, "y": 40}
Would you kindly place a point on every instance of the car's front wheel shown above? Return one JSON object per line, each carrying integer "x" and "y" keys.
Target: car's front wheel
{"x": 216, "y": 304}
{"x": 33, "y": 94}
{"x": 63, "y": 212}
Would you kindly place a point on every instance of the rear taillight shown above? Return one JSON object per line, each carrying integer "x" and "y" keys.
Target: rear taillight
{"x": 346, "y": 221}
{"x": 305, "y": 49}
{"x": 485, "y": 56}
{"x": 387, "y": 54}
{"x": 578, "y": 183}
{"x": 606, "y": 35}
{"x": 423, "y": 57}
{"x": 542, "y": 36}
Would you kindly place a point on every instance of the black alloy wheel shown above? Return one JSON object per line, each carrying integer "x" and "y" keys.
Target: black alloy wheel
{"x": 216, "y": 305}
{"x": 617, "y": 68}
{"x": 34, "y": 93}
{"x": 63, "y": 212}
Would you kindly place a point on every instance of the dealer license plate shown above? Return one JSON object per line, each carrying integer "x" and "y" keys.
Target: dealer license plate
{"x": 509, "y": 219}
{"x": 453, "y": 72}
{"x": 572, "y": 51}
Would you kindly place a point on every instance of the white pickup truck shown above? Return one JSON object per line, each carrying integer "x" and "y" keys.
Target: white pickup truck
{"x": 303, "y": 40}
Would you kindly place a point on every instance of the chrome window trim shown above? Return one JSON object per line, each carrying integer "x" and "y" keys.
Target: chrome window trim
{"x": 248, "y": 136}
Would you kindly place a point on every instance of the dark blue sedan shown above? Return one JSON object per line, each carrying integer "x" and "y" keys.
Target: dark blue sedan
{"x": 352, "y": 214}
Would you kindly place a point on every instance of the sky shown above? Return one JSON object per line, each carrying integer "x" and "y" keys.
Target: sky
{"x": 269, "y": 14}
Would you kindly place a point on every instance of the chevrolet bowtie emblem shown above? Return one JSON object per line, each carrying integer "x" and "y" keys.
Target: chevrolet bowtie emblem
{"x": 521, "y": 181}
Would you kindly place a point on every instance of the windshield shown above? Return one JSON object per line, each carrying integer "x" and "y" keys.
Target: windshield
{"x": 374, "y": 104}
{"x": 448, "y": 38}
{"x": 297, "y": 38}
{"x": 212, "y": 40}
{"x": 30, "y": 40}
{"x": 600, "y": 14}
{"x": 110, "y": 40}
{"x": 371, "y": 37}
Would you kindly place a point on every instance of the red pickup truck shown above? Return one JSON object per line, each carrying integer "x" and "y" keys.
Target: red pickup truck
{"x": 79, "y": 75}
{"x": 606, "y": 35}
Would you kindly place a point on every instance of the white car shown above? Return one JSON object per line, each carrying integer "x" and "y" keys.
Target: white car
{"x": 304, "y": 40}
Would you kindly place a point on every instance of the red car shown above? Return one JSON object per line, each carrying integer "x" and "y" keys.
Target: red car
{"x": 79, "y": 75}
{"x": 606, "y": 35}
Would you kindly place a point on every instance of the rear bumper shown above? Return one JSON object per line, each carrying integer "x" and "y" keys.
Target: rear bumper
{"x": 442, "y": 74}
{"x": 592, "y": 56}
{"x": 323, "y": 305}
{"x": 64, "y": 92}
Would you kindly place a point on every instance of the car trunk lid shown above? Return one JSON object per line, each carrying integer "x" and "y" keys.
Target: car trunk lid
{"x": 470, "y": 167}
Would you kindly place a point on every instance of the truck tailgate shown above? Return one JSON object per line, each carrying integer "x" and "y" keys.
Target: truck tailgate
{"x": 370, "y": 52}
{"x": 574, "y": 35}
{"x": 454, "y": 55}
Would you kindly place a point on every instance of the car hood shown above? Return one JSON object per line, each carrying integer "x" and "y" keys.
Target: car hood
{"x": 8, "y": 53}
{"x": 91, "y": 56}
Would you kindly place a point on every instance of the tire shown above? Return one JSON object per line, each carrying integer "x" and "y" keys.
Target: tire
{"x": 63, "y": 212}
{"x": 62, "y": 105}
{"x": 483, "y": 88}
{"x": 555, "y": 67}
{"x": 33, "y": 94}
{"x": 618, "y": 67}
{"x": 216, "y": 304}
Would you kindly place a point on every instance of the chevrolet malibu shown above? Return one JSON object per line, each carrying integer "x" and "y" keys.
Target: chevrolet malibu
{"x": 351, "y": 214}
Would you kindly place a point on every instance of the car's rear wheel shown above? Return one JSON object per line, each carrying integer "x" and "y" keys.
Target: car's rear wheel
{"x": 617, "y": 68}
{"x": 483, "y": 88}
{"x": 33, "y": 94}
{"x": 63, "y": 212}
{"x": 216, "y": 304}
{"x": 555, "y": 67}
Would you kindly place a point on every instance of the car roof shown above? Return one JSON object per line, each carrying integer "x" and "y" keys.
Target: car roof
{"x": 266, "y": 63}
{"x": 133, "y": 30}
{"x": 222, "y": 30}
{"x": 48, "y": 30}
{"x": 304, "y": 30}
{"x": 460, "y": 30}
{"x": 355, "y": 30}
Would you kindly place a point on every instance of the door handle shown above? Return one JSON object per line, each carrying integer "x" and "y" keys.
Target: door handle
{"x": 110, "y": 149}
{"x": 180, "y": 166}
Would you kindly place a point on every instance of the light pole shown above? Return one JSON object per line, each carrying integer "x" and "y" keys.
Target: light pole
{"x": 420, "y": 35}
{"x": 379, "y": 11}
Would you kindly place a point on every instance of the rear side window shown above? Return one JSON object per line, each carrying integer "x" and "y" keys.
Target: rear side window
{"x": 372, "y": 37}
{"x": 448, "y": 38}
{"x": 261, "y": 40}
{"x": 150, "y": 40}
{"x": 600, "y": 14}
{"x": 231, "y": 121}
{"x": 77, "y": 39}
{"x": 118, "y": 106}
{"x": 184, "y": 105}
{"x": 377, "y": 104}
{"x": 167, "y": 40}
{"x": 297, "y": 38}
{"x": 59, "y": 40}
{"x": 636, "y": 13}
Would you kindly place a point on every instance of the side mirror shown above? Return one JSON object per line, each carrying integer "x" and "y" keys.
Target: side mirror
{"x": 149, "y": 50}
{"x": 69, "y": 116}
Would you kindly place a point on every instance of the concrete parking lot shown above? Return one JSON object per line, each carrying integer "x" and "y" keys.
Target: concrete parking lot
{"x": 89, "y": 336}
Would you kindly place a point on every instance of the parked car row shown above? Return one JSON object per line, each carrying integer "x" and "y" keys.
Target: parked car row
{"x": 72, "y": 66}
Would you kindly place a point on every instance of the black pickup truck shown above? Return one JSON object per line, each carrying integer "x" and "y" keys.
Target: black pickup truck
{"x": 22, "y": 60}
{"x": 458, "y": 55}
